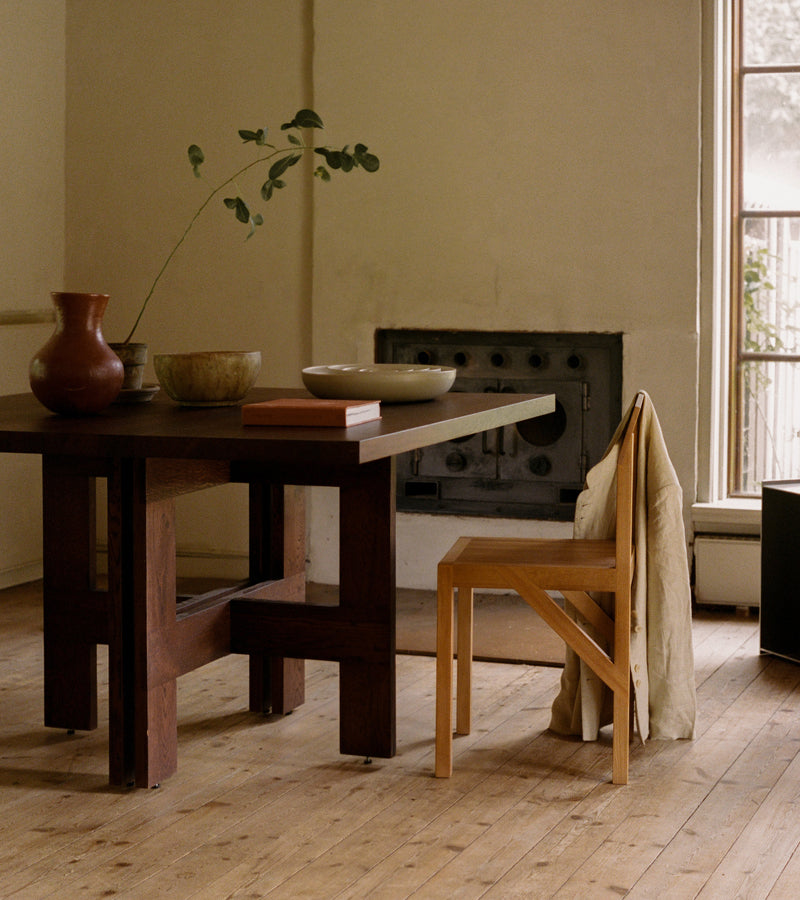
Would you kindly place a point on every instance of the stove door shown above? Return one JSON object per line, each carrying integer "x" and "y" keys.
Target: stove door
{"x": 546, "y": 446}
{"x": 533, "y": 469}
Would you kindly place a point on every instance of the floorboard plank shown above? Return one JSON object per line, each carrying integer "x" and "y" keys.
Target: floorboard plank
{"x": 267, "y": 807}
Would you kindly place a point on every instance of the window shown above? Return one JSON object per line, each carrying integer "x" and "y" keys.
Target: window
{"x": 765, "y": 244}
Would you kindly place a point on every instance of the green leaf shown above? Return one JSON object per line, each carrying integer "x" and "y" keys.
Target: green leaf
{"x": 260, "y": 136}
{"x": 274, "y": 184}
{"x": 257, "y": 219}
{"x": 196, "y": 158}
{"x": 307, "y": 118}
{"x": 368, "y": 161}
{"x": 280, "y": 166}
{"x": 242, "y": 212}
{"x": 293, "y": 139}
{"x": 332, "y": 157}
{"x": 239, "y": 207}
{"x": 323, "y": 173}
{"x": 342, "y": 159}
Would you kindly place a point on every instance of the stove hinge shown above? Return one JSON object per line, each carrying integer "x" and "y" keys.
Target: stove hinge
{"x": 584, "y": 466}
{"x": 586, "y": 404}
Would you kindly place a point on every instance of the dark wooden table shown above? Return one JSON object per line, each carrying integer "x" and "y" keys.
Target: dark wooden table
{"x": 151, "y": 453}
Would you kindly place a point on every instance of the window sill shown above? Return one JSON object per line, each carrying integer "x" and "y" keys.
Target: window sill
{"x": 731, "y": 516}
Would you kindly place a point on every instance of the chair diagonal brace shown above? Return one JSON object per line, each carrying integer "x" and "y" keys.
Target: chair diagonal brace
{"x": 586, "y": 647}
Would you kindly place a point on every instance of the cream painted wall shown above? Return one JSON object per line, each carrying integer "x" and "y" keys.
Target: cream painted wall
{"x": 540, "y": 164}
{"x": 144, "y": 81}
{"x": 32, "y": 236}
{"x": 539, "y": 172}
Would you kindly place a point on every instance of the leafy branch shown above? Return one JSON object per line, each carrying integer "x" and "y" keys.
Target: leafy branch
{"x": 284, "y": 158}
{"x": 761, "y": 334}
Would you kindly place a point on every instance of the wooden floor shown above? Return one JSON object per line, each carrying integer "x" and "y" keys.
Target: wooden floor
{"x": 268, "y": 808}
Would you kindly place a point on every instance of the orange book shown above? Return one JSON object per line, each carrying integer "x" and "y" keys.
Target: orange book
{"x": 311, "y": 411}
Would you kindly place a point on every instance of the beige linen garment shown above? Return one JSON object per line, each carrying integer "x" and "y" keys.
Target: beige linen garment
{"x": 662, "y": 656}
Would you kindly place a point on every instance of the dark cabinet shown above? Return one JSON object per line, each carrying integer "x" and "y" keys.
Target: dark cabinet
{"x": 780, "y": 569}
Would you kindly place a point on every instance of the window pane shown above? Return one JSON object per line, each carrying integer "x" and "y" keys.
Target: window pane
{"x": 771, "y": 286}
{"x": 770, "y": 433}
{"x": 771, "y": 141}
{"x": 771, "y": 32}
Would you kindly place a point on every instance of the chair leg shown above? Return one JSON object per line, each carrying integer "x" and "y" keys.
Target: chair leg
{"x": 621, "y": 737}
{"x": 620, "y": 748}
{"x": 444, "y": 674}
{"x": 464, "y": 667}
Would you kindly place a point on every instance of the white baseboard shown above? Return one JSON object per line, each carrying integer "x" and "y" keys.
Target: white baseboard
{"x": 229, "y": 566}
{"x": 191, "y": 564}
{"x": 727, "y": 570}
{"x": 198, "y": 564}
{"x": 20, "y": 574}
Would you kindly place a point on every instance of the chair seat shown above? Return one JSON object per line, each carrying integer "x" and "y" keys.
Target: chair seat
{"x": 578, "y": 565}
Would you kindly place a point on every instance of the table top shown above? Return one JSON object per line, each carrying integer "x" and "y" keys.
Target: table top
{"x": 162, "y": 428}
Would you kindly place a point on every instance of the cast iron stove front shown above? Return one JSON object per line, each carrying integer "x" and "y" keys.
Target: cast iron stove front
{"x": 537, "y": 468}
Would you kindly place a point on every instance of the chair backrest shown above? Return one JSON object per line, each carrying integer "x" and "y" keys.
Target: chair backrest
{"x": 626, "y": 488}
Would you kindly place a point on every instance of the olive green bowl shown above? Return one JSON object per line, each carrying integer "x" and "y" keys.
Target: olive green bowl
{"x": 210, "y": 378}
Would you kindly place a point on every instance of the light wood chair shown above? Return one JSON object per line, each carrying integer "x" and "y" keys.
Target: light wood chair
{"x": 531, "y": 567}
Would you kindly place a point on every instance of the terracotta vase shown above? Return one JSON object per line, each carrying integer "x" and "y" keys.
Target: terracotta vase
{"x": 76, "y": 372}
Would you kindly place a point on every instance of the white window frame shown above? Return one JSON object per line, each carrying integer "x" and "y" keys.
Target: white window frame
{"x": 716, "y": 511}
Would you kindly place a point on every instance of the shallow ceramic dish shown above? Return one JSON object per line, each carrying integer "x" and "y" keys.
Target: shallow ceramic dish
{"x": 137, "y": 395}
{"x": 215, "y": 378}
{"x": 389, "y": 382}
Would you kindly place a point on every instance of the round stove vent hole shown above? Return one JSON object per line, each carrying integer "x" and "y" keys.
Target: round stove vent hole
{"x": 544, "y": 430}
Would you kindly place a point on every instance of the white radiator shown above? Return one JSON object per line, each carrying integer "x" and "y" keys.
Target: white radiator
{"x": 727, "y": 570}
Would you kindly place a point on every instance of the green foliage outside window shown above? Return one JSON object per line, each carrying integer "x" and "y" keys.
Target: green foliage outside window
{"x": 760, "y": 334}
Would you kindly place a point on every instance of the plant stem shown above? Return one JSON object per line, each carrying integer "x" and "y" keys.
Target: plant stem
{"x": 293, "y": 149}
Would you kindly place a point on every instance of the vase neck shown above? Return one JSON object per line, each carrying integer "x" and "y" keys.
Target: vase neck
{"x": 80, "y": 312}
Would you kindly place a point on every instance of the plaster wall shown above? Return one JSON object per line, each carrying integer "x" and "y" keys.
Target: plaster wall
{"x": 32, "y": 59}
{"x": 144, "y": 81}
{"x": 539, "y": 172}
{"x": 540, "y": 168}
